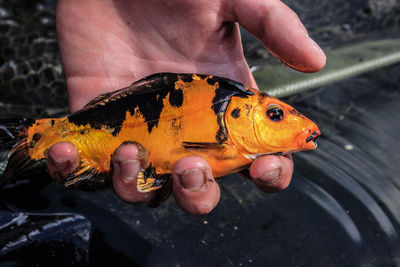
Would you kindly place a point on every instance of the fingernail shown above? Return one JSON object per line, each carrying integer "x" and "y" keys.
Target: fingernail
{"x": 129, "y": 169}
{"x": 270, "y": 177}
{"x": 193, "y": 179}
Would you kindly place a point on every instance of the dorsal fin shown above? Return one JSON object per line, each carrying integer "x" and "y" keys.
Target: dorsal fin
{"x": 98, "y": 99}
{"x": 149, "y": 83}
{"x": 141, "y": 86}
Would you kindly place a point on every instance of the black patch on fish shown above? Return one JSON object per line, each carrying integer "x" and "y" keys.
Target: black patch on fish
{"x": 262, "y": 96}
{"x": 313, "y": 137}
{"x": 187, "y": 78}
{"x": 309, "y": 138}
{"x": 221, "y": 135}
{"x": 235, "y": 113}
{"x": 146, "y": 96}
{"x": 223, "y": 93}
{"x": 36, "y": 137}
{"x": 211, "y": 80}
{"x": 176, "y": 98}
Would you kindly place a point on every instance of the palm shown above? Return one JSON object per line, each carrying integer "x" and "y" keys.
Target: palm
{"x": 115, "y": 44}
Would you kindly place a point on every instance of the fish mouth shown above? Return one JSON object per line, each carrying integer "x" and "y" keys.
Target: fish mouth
{"x": 313, "y": 137}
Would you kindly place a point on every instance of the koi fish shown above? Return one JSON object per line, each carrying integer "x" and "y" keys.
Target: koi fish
{"x": 169, "y": 116}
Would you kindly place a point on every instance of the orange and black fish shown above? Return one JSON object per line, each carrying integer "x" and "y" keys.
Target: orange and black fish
{"x": 171, "y": 116}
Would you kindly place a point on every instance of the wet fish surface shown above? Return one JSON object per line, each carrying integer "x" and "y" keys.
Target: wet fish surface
{"x": 169, "y": 116}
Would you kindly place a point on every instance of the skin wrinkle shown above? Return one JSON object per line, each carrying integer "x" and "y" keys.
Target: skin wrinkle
{"x": 185, "y": 57}
{"x": 222, "y": 65}
{"x": 171, "y": 42}
{"x": 164, "y": 40}
{"x": 216, "y": 35}
{"x": 260, "y": 29}
{"x": 227, "y": 13}
{"x": 233, "y": 30}
{"x": 88, "y": 72}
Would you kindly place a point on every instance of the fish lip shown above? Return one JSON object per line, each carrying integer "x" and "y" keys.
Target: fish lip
{"x": 313, "y": 137}
{"x": 315, "y": 144}
{"x": 309, "y": 141}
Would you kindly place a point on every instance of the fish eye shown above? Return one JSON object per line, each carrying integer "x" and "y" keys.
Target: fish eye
{"x": 274, "y": 113}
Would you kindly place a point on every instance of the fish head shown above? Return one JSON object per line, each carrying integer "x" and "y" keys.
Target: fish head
{"x": 279, "y": 127}
{"x": 269, "y": 126}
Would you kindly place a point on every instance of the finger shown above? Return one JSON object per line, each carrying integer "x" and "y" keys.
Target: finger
{"x": 194, "y": 187}
{"x": 272, "y": 173}
{"x": 62, "y": 160}
{"x": 281, "y": 31}
{"x": 127, "y": 160}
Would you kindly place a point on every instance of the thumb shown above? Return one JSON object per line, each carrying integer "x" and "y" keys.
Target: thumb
{"x": 281, "y": 31}
{"x": 127, "y": 160}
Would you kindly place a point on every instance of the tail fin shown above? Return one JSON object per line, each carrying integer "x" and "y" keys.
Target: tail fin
{"x": 14, "y": 133}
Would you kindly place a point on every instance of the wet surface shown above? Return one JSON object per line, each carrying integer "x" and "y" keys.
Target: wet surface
{"x": 342, "y": 208}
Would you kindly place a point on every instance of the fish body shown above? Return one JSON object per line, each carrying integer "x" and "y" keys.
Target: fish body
{"x": 171, "y": 116}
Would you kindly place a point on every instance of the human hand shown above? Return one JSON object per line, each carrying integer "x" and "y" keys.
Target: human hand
{"x": 106, "y": 45}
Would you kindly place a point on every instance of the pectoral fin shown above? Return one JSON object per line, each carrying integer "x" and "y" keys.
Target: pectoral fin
{"x": 87, "y": 175}
{"x": 198, "y": 145}
{"x": 148, "y": 180}
{"x": 213, "y": 150}
{"x": 80, "y": 175}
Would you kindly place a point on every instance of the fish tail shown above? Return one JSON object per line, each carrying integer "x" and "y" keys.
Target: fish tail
{"x": 14, "y": 135}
